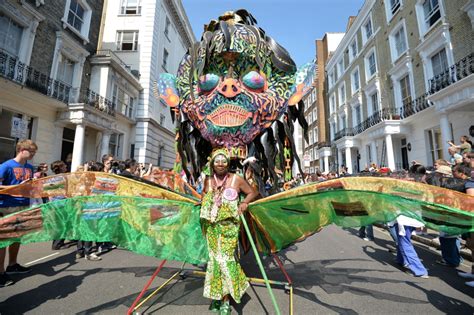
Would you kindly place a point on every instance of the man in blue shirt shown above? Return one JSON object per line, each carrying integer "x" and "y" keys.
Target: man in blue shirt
{"x": 14, "y": 172}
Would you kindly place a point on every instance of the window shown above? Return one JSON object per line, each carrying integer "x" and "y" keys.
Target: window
{"x": 439, "y": 62}
{"x": 357, "y": 115}
{"x": 65, "y": 70}
{"x": 10, "y": 35}
{"x": 331, "y": 79}
{"x": 405, "y": 89}
{"x": 130, "y": 7}
{"x": 128, "y": 105}
{"x": 316, "y": 135}
{"x": 353, "y": 50}
{"x": 162, "y": 119}
{"x": 368, "y": 29}
{"x": 436, "y": 149}
{"x": 115, "y": 144}
{"x": 371, "y": 65}
{"x": 75, "y": 16}
{"x": 311, "y": 154}
{"x": 374, "y": 101}
{"x": 161, "y": 151}
{"x": 310, "y": 136}
{"x": 400, "y": 41}
{"x": 431, "y": 12}
{"x": 342, "y": 94}
{"x": 167, "y": 27}
{"x": 341, "y": 66}
{"x": 165, "y": 59}
{"x": 315, "y": 114}
{"x": 343, "y": 122}
{"x": 127, "y": 40}
{"x": 332, "y": 103}
{"x": 355, "y": 81}
{"x": 394, "y": 6}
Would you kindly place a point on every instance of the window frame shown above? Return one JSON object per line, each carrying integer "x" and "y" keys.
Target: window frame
{"x": 119, "y": 45}
{"x": 354, "y": 90}
{"x": 368, "y": 74}
{"x": 124, "y": 7}
{"x": 84, "y": 32}
{"x": 393, "y": 43}
{"x": 365, "y": 37}
{"x": 390, "y": 12}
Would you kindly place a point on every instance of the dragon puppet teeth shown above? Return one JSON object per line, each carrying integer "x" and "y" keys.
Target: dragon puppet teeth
{"x": 229, "y": 115}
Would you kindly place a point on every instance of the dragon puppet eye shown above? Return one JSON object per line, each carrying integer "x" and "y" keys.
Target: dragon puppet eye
{"x": 208, "y": 82}
{"x": 254, "y": 81}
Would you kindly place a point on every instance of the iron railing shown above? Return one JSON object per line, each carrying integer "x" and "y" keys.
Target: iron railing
{"x": 323, "y": 144}
{"x": 97, "y": 101}
{"x": 13, "y": 69}
{"x": 456, "y": 72}
{"x": 376, "y": 118}
{"x": 415, "y": 106}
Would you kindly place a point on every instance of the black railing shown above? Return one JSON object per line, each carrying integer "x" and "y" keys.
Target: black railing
{"x": 346, "y": 132}
{"x": 376, "y": 118}
{"x": 323, "y": 144}
{"x": 97, "y": 101}
{"x": 415, "y": 106}
{"x": 15, "y": 70}
{"x": 458, "y": 71}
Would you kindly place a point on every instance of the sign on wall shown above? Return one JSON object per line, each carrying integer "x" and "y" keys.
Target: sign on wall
{"x": 19, "y": 128}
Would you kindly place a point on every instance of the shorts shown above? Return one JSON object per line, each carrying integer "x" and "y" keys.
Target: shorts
{"x": 9, "y": 210}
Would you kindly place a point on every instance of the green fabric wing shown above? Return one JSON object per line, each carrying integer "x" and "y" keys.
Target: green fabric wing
{"x": 280, "y": 222}
{"x": 166, "y": 229}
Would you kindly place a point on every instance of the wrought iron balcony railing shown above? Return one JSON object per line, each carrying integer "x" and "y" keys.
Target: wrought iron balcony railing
{"x": 97, "y": 101}
{"x": 323, "y": 144}
{"x": 13, "y": 69}
{"x": 415, "y": 106}
{"x": 376, "y": 118}
{"x": 456, "y": 72}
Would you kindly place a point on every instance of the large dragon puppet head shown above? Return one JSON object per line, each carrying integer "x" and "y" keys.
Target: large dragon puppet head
{"x": 236, "y": 89}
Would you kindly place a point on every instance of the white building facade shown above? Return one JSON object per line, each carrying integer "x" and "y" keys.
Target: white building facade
{"x": 151, "y": 37}
{"x": 400, "y": 84}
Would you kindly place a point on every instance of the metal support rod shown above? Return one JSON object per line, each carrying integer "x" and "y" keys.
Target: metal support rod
{"x": 132, "y": 308}
{"x": 260, "y": 265}
{"x": 157, "y": 289}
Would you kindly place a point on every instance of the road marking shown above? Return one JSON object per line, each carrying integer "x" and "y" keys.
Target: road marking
{"x": 39, "y": 259}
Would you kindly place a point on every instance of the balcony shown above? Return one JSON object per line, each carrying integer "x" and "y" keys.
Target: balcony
{"x": 97, "y": 101}
{"x": 415, "y": 106}
{"x": 113, "y": 56}
{"x": 458, "y": 71}
{"x": 376, "y": 118}
{"x": 324, "y": 144}
{"x": 346, "y": 132}
{"x": 14, "y": 70}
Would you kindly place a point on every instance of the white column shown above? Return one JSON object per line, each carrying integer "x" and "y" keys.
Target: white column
{"x": 339, "y": 159}
{"x": 349, "y": 160}
{"x": 104, "y": 144}
{"x": 445, "y": 134}
{"x": 390, "y": 153}
{"x": 78, "y": 149}
{"x": 326, "y": 164}
{"x": 373, "y": 152}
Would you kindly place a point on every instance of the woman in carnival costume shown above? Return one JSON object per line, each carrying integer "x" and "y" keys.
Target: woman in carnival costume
{"x": 220, "y": 221}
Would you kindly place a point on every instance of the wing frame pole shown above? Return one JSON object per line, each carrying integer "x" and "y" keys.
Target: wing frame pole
{"x": 260, "y": 265}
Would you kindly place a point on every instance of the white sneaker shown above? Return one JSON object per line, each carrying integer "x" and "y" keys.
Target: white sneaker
{"x": 93, "y": 257}
{"x": 470, "y": 283}
{"x": 466, "y": 275}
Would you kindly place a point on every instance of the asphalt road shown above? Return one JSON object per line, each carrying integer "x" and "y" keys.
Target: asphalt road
{"x": 334, "y": 272}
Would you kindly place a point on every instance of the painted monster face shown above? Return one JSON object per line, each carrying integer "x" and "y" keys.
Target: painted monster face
{"x": 226, "y": 94}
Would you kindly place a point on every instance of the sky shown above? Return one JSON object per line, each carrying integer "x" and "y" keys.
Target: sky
{"x": 294, "y": 24}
